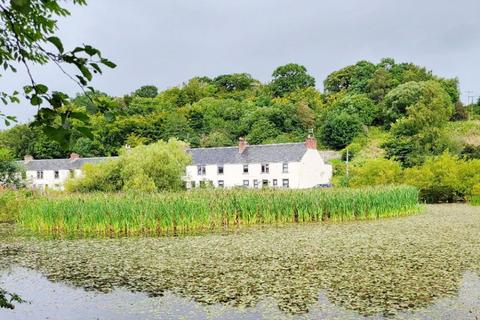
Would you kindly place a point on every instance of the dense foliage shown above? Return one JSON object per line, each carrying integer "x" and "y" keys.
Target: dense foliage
{"x": 10, "y": 171}
{"x": 29, "y": 37}
{"x": 158, "y": 166}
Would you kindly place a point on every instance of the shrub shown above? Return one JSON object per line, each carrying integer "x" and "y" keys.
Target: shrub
{"x": 444, "y": 178}
{"x": 375, "y": 172}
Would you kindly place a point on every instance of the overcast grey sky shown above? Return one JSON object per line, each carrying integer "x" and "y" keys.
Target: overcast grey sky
{"x": 168, "y": 42}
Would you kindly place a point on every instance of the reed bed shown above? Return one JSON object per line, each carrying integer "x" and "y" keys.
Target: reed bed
{"x": 203, "y": 210}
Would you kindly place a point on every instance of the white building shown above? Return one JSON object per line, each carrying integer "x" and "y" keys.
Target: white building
{"x": 52, "y": 173}
{"x": 284, "y": 165}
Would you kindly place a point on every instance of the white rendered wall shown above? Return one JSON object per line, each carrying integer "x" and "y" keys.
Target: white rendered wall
{"x": 49, "y": 181}
{"x": 307, "y": 173}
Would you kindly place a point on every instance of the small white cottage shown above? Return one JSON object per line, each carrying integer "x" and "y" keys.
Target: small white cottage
{"x": 283, "y": 165}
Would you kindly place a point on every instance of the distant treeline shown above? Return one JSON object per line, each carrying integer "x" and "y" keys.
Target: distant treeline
{"x": 408, "y": 100}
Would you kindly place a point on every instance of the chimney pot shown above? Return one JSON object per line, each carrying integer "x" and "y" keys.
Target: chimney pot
{"x": 27, "y": 158}
{"x": 74, "y": 156}
{"x": 242, "y": 145}
{"x": 311, "y": 142}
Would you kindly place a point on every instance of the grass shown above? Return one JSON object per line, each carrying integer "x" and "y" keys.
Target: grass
{"x": 474, "y": 200}
{"x": 203, "y": 210}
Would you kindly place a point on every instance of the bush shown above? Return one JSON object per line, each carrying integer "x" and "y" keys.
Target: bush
{"x": 444, "y": 178}
{"x": 375, "y": 172}
{"x": 155, "y": 167}
{"x": 339, "y": 129}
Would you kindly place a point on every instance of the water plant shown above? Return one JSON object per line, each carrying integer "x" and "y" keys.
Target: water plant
{"x": 203, "y": 210}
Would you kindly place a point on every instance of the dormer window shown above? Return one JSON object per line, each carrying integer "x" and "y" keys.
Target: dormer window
{"x": 265, "y": 168}
{"x": 201, "y": 171}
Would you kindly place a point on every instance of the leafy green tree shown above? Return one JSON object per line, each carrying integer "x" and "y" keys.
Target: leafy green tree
{"x": 148, "y": 91}
{"x": 10, "y": 171}
{"x": 29, "y": 37}
{"x": 339, "y": 129}
{"x": 234, "y": 81}
{"x": 146, "y": 168}
{"x": 289, "y": 78}
{"x": 360, "y": 105}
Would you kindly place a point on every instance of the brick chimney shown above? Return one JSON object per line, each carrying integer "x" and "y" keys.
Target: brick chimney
{"x": 74, "y": 156}
{"x": 311, "y": 142}
{"x": 27, "y": 158}
{"x": 242, "y": 145}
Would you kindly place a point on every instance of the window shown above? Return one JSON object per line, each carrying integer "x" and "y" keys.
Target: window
{"x": 285, "y": 183}
{"x": 264, "y": 183}
{"x": 192, "y": 184}
{"x": 39, "y": 174}
{"x": 220, "y": 169}
{"x": 245, "y": 183}
{"x": 72, "y": 173}
{"x": 265, "y": 168}
{"x": 275, "y": 182}
{"x": 221, "y": 184}
{"x": 245, "y": 168}
{"x": 285, "y": 167}
{"x": 201, "y": 170}
{"x": 255, "y": 183}
{"x": 56, "y": 174}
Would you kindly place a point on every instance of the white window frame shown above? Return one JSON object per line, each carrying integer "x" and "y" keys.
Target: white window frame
{"x": 265, "y": 168}
{"x": 285, "y": 167}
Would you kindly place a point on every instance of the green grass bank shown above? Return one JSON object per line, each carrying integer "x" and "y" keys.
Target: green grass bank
{"x": 203, "y": 210}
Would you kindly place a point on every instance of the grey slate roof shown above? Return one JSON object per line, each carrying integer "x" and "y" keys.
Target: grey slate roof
{"x": 59, "y": 164}
{"x": 282, "y": 152}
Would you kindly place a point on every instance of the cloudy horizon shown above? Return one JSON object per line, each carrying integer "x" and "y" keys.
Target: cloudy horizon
{"x": 166, "y": 43}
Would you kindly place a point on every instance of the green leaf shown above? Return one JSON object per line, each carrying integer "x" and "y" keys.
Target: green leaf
{"x": 108, "y": 63}
{"x": 36, "y": 100}
{"x": 57, "y": 43}
{"x": 79, "y": 116}
{"x": 109, "y": 116}
{"x": 91, "y": 108}
{"x": 41, "y": 89}
{"x": 86, "y": 73}
{"x": 87, "y": 132}
{"x": 58, "y": 134}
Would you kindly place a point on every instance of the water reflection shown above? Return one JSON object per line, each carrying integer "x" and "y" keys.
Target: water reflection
{"x": 53, "y": 301}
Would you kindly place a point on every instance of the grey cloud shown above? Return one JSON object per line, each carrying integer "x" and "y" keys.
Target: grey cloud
{"x": 167, "y": 42}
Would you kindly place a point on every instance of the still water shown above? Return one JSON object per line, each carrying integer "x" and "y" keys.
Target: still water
{"x": 420, "y": 267}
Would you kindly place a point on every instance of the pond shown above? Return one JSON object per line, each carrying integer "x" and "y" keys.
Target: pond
{"x": 418, "y": 267}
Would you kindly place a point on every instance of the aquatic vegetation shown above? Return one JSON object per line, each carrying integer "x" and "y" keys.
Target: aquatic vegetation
{"x": 375, "y": 267}
{"x": 203, "y": 210}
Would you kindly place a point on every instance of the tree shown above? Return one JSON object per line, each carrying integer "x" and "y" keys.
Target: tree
{"x": 460, "y": 113}
{"x": 10, "y": 172}
{"x": 289, "y": 78}
{"x": 339, "y": 129}
{"x": 234, "y": 81}
{"x": 28, "y": 36}
{"x": 146, "y": 168}
{"x": 147, "y": 91}
{"x": 360, "y": 105}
